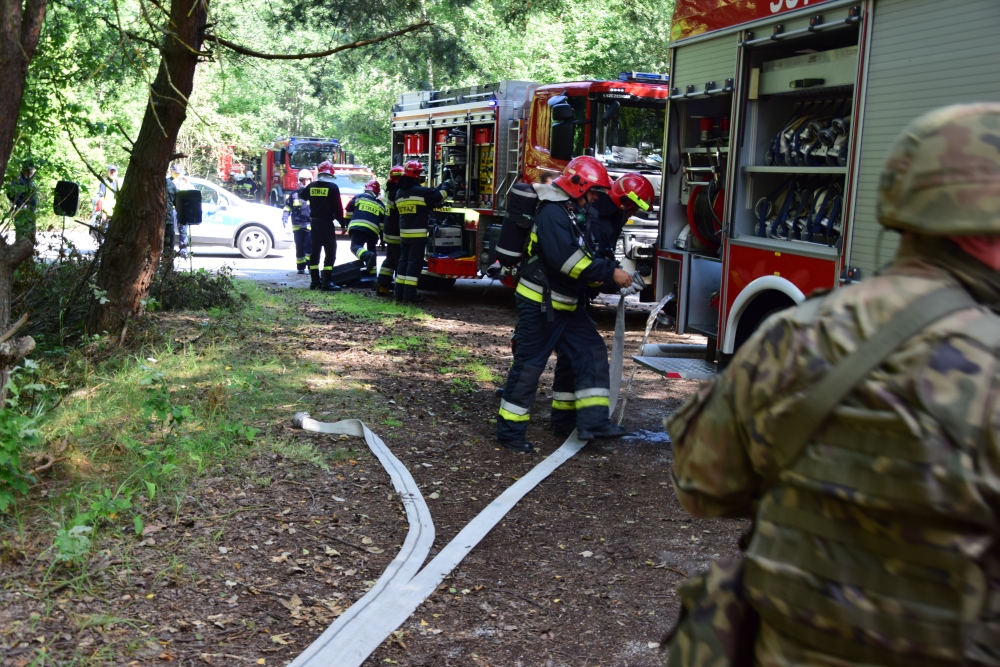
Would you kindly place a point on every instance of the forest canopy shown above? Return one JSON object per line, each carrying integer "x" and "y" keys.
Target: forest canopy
{"x": 88, "y": 84}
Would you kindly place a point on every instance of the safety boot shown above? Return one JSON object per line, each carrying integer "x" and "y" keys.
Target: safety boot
{"x": 381, "y": 290}
{"x": 327, "y": 284}
{"x": 522, "y": 445}
{"x": 315, "y": 282}
{"x": 301, "y": 272}
{"x": 369, "y": 258}
{"x": 608, "y": 432}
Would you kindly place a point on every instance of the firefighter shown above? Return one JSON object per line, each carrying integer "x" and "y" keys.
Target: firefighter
{"x": 390, "y": 232}
{"x": 366, "y": 215}
{"x": 298, "y": 211}
{"x": 414, "y": 203}
{"x": 551, "y": 297}
{"x": 325, "y": 209}
{"x": 107, "y": 193}
{"x": 607, "y": 216}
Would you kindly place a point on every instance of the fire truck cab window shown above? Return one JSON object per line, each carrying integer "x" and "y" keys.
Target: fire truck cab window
{"x": 628, "y": 134}
{"x": 306, "y": 159}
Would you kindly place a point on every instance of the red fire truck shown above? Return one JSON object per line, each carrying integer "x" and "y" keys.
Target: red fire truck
{"x": 281, "y": 163}
{"x": 487, "y": 138}
{"x": 754, "y": 219}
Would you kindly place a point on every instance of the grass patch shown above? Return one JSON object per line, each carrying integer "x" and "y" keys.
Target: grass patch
{"x": 358, "y": 306}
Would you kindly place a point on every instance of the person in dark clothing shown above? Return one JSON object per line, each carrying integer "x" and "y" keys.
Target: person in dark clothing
{"x": 23, "y": 193}
{"x": 170, "y": 219}
{"x": 551, "y": 296}
{"x": 390, "y": 233}
{"x": 365, "y": 214}
{"x": 323, "y": 197}
{"x": 607, "y": 215}
{"x": 298, "y": 211}
{"x": 414, "y": 203}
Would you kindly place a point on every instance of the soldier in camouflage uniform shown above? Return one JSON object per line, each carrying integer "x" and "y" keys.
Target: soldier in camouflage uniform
{"x": 878, "y": 545}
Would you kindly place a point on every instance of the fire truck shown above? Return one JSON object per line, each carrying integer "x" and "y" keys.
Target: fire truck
{"x": 484, "y": 139}
{"x": 780, "y": 115}
{"x": 282, "y": 161}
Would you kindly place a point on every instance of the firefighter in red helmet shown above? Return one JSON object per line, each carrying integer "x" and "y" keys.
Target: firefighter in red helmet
{"x": 390, "y": 232}
{"x": 325, "y": 209}
{"x": 365, "y": 215}
{"x": 608, "y": 214}
{"x": 551, "y": 301}
{"x": 414, "y": 203}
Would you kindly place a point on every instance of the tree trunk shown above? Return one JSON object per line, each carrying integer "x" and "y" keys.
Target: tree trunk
{"x": 20, "y": 28}
{"x": 134, "y": 241}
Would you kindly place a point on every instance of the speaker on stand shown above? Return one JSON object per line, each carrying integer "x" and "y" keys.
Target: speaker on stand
{"x": 65, "y": 203}
{"x": 187, "y": 203}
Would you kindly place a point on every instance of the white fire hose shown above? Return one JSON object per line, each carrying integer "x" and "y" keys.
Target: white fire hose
{"x": 404, "y": 586}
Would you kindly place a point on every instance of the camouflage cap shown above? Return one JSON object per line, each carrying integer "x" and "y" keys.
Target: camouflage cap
{"x": 942, "y": 176}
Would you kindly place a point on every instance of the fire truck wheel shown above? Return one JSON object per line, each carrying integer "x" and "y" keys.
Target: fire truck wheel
{"x": 254, "y": 242}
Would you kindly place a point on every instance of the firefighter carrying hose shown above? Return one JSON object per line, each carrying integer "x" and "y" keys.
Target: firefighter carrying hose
{"x": 551, "y": 296}
{"x": 605, "y": 219}
{"x": 365, "y": 214}
{"x": 390, "y": 232}
{"x": 298, "y": 211}
{"x": 414, "y": 203}
{"x": 323, "y": 197}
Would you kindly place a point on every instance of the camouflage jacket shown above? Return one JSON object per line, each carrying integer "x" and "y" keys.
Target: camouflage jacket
{"x": 877, "y": 545}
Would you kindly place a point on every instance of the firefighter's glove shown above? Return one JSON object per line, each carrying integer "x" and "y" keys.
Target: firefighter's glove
{"x": 637, "y": 285}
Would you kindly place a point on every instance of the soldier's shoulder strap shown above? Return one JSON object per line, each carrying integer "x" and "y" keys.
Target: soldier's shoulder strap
{"x": 811, "y": 411}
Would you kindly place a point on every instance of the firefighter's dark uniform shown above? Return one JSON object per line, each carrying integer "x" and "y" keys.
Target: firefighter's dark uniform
{"x": 414, "y": 203}
{"x": 390, "y": 232}
{"x": 299, "y": 212}
{"x": 323, "y": 197}
{"x": 365, "y": 214}
{"x": 551, "y": 299}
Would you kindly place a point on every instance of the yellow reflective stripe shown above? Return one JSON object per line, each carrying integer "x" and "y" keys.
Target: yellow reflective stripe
{"x": 385, "y": 271}
{"x": 576, "y": 263}
{"x": 563, "y": 306}
{"x": 348, "y": 215}
{"x": 314, "y": 266}
{"x": 596, "y": 391}
{"x": 360, "y": 251}
{"x": 563, "y": 405}
{"x": 592, "y": 401}
{"x": 513, "y": 407}
{"x": 527, "y": 292}
{"x": 412, "y": 233}
{"x": 511, "y": 417}
{"x": 287, "y": 209}
{"x": 369, "y": 207}
{"x": 361, "y": 224}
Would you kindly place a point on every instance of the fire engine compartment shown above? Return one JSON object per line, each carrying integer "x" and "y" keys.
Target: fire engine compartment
{"x": 758, "y": 163}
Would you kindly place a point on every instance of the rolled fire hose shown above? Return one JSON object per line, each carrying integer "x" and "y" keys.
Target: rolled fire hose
{"x": 402, "y": 588}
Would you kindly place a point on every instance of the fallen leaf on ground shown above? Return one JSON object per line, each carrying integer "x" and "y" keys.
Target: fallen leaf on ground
{"x": 280, "y": 639}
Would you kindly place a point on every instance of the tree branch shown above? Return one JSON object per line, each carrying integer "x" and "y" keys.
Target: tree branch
{"x": 319, "y": 54}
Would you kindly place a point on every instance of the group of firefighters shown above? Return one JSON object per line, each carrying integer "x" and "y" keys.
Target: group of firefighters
{"x": 568, "y": 256}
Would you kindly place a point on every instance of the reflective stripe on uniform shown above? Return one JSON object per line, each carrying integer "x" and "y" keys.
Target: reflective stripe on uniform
{"x": 563, "y": 400}
{"x": 390, "y": 239}
{"x": 385, "y": 271}
{"x": 359, "y": 253}
{"x": 369, "y": 207}
{"x": 576, "y": 263}
{"x": 514, "y": 413}
{"x": 408, "y": 205}
{"x": 592, "y": 401}
{"x": 509, "y": 253}
{"x": 362, "y": 224}
{"x": 596, "y": 391}
{"x": 413, "y": 233}
{"x": 406, "y": 280}
{"x": 511, "y": 417}
{"x": 529, "y": 290}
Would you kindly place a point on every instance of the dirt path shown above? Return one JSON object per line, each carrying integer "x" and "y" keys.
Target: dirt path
{"x": 582, "y": 571}
{"x": 267, "y": 550}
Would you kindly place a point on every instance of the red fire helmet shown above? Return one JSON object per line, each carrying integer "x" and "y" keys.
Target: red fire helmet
{"x": 374, "y": 186}
{"x": 396, "y": 173}
{"x": 325, "y": 167}
{"x": 581, "y": 174}
{"x": 633, "y": 191}
{"x": 413, "y": 169}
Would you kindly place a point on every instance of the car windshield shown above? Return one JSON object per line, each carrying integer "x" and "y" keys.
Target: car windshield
{"x": 308, "y": 158}
{"x": 629, "y": 135}
{"x": 352, "y": 183}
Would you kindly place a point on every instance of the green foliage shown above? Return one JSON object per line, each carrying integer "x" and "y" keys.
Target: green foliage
{"x": 71, "y": 545}
{"x": 18, "y": 429}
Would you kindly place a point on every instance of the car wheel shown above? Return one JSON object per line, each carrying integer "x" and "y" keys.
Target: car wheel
{"x": 254, "y": 242}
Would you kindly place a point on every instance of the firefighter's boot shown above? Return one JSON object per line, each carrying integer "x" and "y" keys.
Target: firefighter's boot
{"x": 315, "y": 282}
{"x": 369, "y": 258}
{"x": 327, "y": 284}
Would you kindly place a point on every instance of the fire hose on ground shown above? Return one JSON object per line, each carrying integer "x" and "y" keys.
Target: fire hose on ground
{"x": 403, "y": 585}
